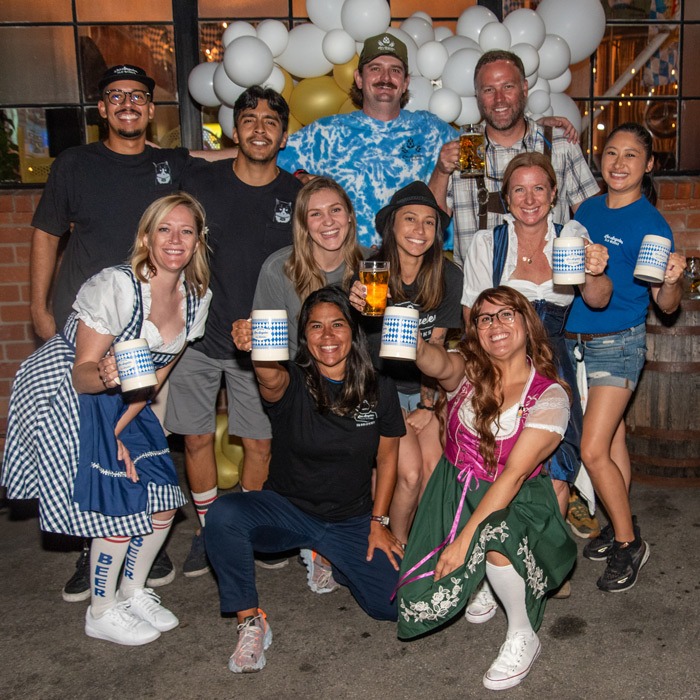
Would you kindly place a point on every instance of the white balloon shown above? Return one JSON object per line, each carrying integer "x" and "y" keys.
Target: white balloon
{"x": 441, "y": 33}
{"x": 365, "y": 18}
{"x": 224, "y": 88}
{"x": 458, "y": 74}
{"x": 276, "y": 80}
{"x": 303, "y": 57}
{"x": 248, "y": 61}
{"x": 555, "y": 56}
{"x": 338, "y": 46}
{"x": 470, "y": 112}
{"x": 274, "y": 33}
{"x": 494, "y": 35}
{"x": 541, "y": 84}
{"x": 419, "y": 93}
{"x": 410, "y": 46}
{"x": 472, "y": 20}
{"x": 445, "y": 104}
{"x": 532, "y": 80}
{"x": 423, "y": 15}
{"x": 419, "y": 30}
{"x": 456, "y": 42}
{"x": 201, "y": 84}
{"x": 564, "y": 106}
{"x": 325, "y": 13}
{"x": 226, "y": 120}
{"x": 581, "y": 23}
{"x": 538, "y": 101}
{"x": 528, "y": 55}
{"x": 549, "y": 112}
{"x": 561, "y": 83}
{"x": 526, "y": 27}
{"x": 431, "y": 59}
{"x": 236, "y": 29}
{"x": 535, "y": 116}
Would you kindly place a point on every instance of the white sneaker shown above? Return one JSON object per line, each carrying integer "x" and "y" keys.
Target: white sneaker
{"x": 254, "y": 638}
{"x": 482, "y": 605}
{"x": 145, "y": 605}
{"x": 514, "y": 661}
{"x": 118, "y": 625}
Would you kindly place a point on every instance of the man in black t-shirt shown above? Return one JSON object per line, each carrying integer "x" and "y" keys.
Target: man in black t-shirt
{"x": 249, "y": 203}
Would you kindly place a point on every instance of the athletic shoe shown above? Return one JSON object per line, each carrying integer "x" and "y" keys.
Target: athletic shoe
{"x": 265, "y": 561}
{"x": 624, "y": 563}
{"x": 319, "y": 576}
{"x": 482, "y": 605}
{"x": 162, "y": 571}
{"x": 254, "y": 638}
{"x": 196, "y": 563}
{"x": 582, "y": 523}
{"x": 145, "y": 605}
{"x": 600, "y": 547}
{"x": 514, "y": 661}
{"x": 118, "y": 625}
{"x": 78, "y": 586}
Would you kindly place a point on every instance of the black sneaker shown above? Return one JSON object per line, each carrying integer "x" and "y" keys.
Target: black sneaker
{"x": 162, "y": 571}
{"x": 197, "y": 562}
{"x": 78, "y": 586}
{"x": 624, "y": 563}
{"x": 600, "y": 547}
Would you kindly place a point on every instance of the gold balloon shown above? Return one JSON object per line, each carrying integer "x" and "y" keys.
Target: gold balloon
{"x": 288, "y": 84}
{"x": 229, "y": 454}
{"x": 344, "y": 74}
{"x": 347, "y": 107}
{"x": 294, "y": 124}
{"x": 314, "y": 98}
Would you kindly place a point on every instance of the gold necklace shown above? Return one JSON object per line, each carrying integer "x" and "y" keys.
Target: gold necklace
{"x": 528, "y": 258}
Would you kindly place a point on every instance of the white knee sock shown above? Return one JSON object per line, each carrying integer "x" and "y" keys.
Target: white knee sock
{"x": 202, "y": 502}
{"x": 510, "y": 588}
{"x": 106, "y": 559}
{"x": 141, "y": 553}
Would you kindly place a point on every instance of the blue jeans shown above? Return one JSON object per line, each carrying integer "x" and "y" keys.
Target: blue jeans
{"x": 264, "y": 521}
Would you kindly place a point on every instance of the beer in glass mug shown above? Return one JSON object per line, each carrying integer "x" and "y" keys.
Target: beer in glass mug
{"x": 374, "y": 274}
{"x": 471, "y": 150}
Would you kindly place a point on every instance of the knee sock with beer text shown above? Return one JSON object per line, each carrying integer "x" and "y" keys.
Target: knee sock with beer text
{"x": 140, "y": 556}
{"x": 202, "y": 502}
{"x": 106, "y": 559}
{"x": 509, "y": 586}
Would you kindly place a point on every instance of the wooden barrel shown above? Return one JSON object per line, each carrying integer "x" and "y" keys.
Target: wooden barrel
{"x": 663, "y": 418}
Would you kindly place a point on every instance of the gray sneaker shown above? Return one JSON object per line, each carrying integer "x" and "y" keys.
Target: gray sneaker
{"x": 197, "y": 563}
{"x": 254, "y": 637}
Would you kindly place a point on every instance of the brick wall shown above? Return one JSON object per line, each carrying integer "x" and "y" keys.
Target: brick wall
{"x": 679, "y": 200}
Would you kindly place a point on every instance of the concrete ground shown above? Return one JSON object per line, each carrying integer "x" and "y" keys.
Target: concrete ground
{"x": 635, "y": 645}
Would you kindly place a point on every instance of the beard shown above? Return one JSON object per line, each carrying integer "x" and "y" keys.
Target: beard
{"x": 518, "y": 114}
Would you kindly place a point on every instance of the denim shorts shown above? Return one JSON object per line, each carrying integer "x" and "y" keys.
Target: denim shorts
{"x": 409, "y": 402}
{"x": 613, "y": 360}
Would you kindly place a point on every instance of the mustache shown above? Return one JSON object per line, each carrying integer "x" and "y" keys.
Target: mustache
{"x": 387, "y": 85}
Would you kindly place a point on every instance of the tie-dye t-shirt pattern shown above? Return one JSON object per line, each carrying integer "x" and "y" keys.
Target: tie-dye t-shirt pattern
{"x": 370, "y": 159}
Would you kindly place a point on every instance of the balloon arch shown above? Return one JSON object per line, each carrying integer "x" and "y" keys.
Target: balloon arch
{"x": 313, "y": 64}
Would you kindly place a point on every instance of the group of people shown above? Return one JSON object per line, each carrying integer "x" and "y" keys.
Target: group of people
{"x": 426, "y": 488}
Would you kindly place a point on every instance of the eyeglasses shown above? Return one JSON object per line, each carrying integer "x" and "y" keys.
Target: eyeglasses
{"x": 136, "y": 97}
{"x": 505, "y": 316}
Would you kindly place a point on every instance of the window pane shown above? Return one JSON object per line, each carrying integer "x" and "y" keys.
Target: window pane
{"x": 690, "y": 146}
{"x": 691, "y": 70}
{"x": 244, "y": 8}
{"x": 36, "y": 11}
{"x": 38, "y": 65}
{"x": 436, "y": 8}
{"x": 148, "y": 46}
{"x": 124, "y": 11}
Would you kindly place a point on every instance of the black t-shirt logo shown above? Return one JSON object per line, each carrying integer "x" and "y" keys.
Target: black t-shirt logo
{"x": 163, "y": 175}
{"x": 283, "y": 212}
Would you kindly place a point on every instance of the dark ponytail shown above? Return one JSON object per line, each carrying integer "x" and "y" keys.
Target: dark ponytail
{"x": 644, "y": 137}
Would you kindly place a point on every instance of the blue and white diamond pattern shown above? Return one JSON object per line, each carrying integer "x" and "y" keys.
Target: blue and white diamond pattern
{"x": 270, "y": 333}
{"x": 134, "y": 362}
{"x": 400, "y": 331}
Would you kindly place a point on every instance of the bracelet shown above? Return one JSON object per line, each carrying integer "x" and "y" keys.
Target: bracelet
{"x": 420, "y": 404}
{"x": 301, "y": 171}
{"x": 381, "y": 519}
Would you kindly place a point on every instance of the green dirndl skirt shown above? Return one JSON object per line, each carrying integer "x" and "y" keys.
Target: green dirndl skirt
{"x": 530, "y": 532}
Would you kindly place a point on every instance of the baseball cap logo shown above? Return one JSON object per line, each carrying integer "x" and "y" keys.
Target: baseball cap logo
{"x": 385, "y": 43}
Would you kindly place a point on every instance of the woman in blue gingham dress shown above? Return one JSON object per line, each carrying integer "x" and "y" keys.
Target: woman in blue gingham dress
{"x": 99, "y": 463}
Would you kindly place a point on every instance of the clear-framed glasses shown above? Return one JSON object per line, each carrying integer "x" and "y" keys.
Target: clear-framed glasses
{"x": 505, "y": 316}
{"x": 136, "y": 97}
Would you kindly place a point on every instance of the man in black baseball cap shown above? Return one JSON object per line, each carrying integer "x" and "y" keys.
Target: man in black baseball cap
{"x": 126, "y": 72}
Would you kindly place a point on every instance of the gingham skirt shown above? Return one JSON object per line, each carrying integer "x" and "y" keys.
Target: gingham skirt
{"x": 42, "y": 451}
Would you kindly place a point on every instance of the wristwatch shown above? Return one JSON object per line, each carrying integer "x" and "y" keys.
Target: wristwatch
{"x": 422, "y": 406}
{"x": 381, "y": 519}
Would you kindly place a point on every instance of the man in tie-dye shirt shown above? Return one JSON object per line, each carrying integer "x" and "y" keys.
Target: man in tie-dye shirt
{"x": 373, "y": 152}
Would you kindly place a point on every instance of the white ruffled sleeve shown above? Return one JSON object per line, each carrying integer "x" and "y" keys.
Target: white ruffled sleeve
{"x": 105, "y": 302}
{"x": 551, "y": 412}
{"x": 200, "y": 319}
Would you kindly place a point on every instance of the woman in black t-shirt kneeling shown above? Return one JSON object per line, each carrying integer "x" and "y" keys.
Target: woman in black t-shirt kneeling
{"x": 332, "y": 418}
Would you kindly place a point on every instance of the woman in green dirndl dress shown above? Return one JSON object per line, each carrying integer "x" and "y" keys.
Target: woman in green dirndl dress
{"x": 489, "y": 510}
